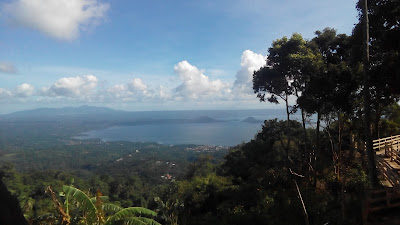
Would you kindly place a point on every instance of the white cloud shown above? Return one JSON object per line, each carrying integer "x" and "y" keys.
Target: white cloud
{"x": 80, "y": 86}
{"x": 4, "y": 93}
{"x": 61, "y": 19}
{"x": 195, "y": 84}
{"x": 7, "y": 67}
{"x": 135, "y": 90}
{"x": 190, "y": 83}
{"x": 119, "y": 91}
{"x": 137, "y": 85}
{"x": 163, "y": 93}
{"x": 250, "y": 62}
{"x": 24, "y": 90}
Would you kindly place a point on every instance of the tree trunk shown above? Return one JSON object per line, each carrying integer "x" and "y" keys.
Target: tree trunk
{"x": 316, "y": 153}
{"x": 306, "y": 150}
{"x": 378, "y": 113}
{"x": 287, "y": 130}
{"x": 340, "y": 146}
{"x": 367, "y": 101}
{"x": 287, "y": 112}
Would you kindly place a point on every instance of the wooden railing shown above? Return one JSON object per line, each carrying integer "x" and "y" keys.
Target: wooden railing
{"x": 391, "y": 145}
{"x": 388, "y": 197}
{"x": 380, "y": 199}
{"x": 383, "y": 198}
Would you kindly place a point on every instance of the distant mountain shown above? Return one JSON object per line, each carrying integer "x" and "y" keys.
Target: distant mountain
{"x": 84, "y": 109}
{"x": 102, "y": 115}
{"x": 87, "y": 113}
{"x": 204, "y": 119}
{"x": 251, "y": 119}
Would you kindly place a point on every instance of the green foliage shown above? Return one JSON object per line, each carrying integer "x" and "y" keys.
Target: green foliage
{"x": 283, "y": 64}
{"x": 94, "y": 211}
{"x": 384, "y": 73}
{"x": 130, "y": 215}
{"x": 330, "y": 84}
{"x": 255, "y": 182}
{"x": 384, "y": 30}
{"x": 84, "y": 202}
{"x": 258, "y": 171}
{"x": 390, "y": 124}
{"x": 169, "y": 209}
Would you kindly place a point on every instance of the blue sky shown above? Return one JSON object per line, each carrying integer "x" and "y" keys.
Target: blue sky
{"x": 148, "y": 55}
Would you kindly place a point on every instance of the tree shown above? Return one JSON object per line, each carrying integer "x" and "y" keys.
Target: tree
{"x": 277, "y": 78}
{"x": 384, "y": 47}
{"x": 331, "y": 84}
{"x": 367, "y": 99}
{"x": 169, "y": 209}
{"x": 282, "y": 77}
{"x": 264, "y": 187}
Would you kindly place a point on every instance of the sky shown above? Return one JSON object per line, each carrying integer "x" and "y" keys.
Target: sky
{"x": 148, "y": 55}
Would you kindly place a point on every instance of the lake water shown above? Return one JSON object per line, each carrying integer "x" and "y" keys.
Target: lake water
{"x": 229, "y": 132}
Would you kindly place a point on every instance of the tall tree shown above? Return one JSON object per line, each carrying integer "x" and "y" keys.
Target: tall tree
{"x": 384, "y": 53}
{"x": 331, "y": 84}
{"x": 366, "y": 94}
{"x": 282, "y": 76}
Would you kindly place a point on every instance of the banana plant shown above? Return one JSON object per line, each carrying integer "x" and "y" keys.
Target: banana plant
{"x": 169, "y": 209}
{"x": 96, "y": 212}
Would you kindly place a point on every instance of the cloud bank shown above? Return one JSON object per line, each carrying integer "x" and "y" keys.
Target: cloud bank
{"x": 60, "y": 19}
{"x": 192, "y": 85}
{"x": 80, "y": 86}
{"x": 135, "y": 90}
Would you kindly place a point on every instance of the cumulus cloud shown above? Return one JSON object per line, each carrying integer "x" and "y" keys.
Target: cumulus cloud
{"x": 119, "y": 91}
{"x": 135, "y": 90}
{"x": 250, "y": 62}
{"x": 137, "y": 85}
{"x": 4, "y": 93}
{"x": 61, "y": 19}
{"x": 80, "y": 86}
{"x": 195, "y": 84}
{"x": 24, "y": 90}
{"x": 163, "y": 93}
{"x": 7, "y": 67}
{"x": 190, "y": 83}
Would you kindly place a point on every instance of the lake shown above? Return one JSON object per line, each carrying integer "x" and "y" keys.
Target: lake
{"x": 227, "y": 128}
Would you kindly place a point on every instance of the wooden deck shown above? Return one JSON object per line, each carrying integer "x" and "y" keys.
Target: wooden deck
{"x": 387, "y": 152}
{"x": 386, "y": 199}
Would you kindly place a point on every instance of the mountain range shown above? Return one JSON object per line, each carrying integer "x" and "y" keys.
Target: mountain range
{"x": 92, "y": 114}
